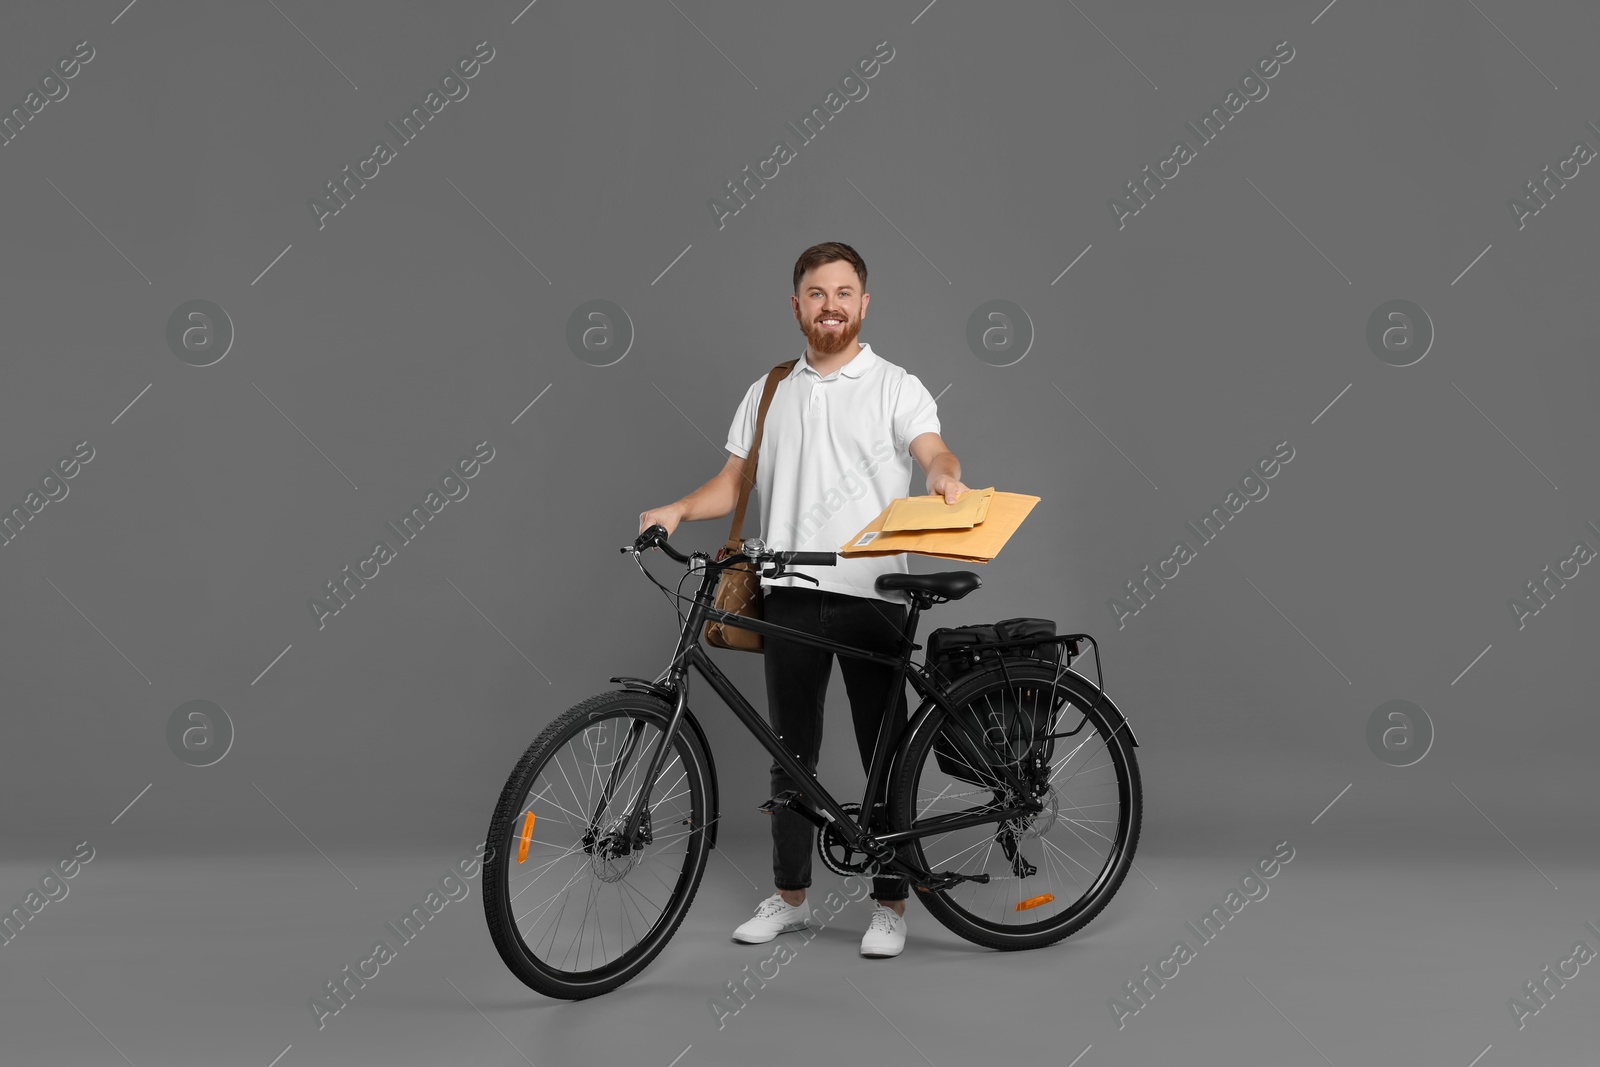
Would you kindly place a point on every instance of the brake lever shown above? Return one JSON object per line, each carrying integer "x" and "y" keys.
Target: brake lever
{"x": 779, "y": 572}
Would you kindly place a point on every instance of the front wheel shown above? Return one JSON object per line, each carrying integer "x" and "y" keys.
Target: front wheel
{"x": 573, "y": 908}
{"x": 1048, "y": 871}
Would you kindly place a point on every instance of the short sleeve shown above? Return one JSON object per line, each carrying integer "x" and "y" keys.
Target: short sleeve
{"x": 743, "y": 428}
{"x": 915, "y": 412}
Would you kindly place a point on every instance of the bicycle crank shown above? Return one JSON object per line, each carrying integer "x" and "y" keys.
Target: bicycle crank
{"x": 838, "y": 856}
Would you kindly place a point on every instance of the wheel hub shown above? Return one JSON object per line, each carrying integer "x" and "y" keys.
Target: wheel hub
{"x": 1040, "y": 822}
{"x": 610, "y": 854}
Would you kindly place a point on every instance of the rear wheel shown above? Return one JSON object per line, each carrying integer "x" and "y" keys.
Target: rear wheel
{"x": 1049, "y": 871}
{"x": 573, "y": 909}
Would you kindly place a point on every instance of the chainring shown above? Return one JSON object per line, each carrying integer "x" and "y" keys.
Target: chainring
{"x": 836, "y": 855}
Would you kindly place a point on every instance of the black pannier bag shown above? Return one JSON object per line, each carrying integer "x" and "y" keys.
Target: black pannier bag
{"x": 1009, "y": 723}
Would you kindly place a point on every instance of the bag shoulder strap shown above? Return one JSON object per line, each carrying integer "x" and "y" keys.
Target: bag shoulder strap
{"x": 748, "y": 480}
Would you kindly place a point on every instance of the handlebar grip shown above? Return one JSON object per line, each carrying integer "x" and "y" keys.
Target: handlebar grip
{"x": 656, "y": 535}
{"x": 809, "y": 559}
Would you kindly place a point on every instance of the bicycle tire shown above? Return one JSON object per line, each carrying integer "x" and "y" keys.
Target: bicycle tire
{"x": 506, "y": 830}
{"x": 917, "y": 755}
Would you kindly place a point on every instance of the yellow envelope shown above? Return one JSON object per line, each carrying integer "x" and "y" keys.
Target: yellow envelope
{"x": 979, "y": 544}
{"x": 932, "y": 513}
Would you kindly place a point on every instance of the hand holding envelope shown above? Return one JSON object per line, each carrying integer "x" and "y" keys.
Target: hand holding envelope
{"x": 973, "y": 529}
{"x": 932, "y": 513}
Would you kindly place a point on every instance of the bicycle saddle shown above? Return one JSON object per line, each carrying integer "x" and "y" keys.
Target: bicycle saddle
{"x": 947, "y": 585}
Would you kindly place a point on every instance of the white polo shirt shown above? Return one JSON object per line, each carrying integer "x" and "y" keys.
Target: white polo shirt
{"x": 835, "y": 451}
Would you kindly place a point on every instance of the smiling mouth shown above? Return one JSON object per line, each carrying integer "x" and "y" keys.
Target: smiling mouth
{"x": 830, "y": 324}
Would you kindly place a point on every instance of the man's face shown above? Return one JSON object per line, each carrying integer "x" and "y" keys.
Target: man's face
{"x": 829, "y": 306}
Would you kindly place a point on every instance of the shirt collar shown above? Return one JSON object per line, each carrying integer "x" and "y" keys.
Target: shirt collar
{"x": 854, "y": 369}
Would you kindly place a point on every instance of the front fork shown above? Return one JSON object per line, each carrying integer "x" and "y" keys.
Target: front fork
{"x": 638, "y": 832}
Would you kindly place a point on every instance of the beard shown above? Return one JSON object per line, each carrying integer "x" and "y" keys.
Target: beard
{"x": 831, "y": 342}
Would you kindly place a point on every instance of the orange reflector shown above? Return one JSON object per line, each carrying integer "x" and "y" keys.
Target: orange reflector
{"x": 1034, "y": 902}
{"x": 527, "y": 835}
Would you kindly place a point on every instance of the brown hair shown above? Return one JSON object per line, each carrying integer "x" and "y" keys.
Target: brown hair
{"x": 829, "y": 252}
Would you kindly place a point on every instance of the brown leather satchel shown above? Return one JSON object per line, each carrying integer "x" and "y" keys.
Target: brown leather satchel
{"x": 739, "y": 588}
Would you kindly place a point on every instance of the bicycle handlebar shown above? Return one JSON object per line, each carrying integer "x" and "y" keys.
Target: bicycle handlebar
{"x": 752, "y": 548}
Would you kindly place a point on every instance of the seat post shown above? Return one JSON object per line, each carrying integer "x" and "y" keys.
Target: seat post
{"x": 918, "y": 602}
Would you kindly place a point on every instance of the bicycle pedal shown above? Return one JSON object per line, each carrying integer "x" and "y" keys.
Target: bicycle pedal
{"x": 795, "y": 801}
{"x": 783, "y": 800}
{"x": 947, "y": 879}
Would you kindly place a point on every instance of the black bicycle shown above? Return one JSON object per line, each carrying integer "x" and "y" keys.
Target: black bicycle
{"x": 1010, "y": 799}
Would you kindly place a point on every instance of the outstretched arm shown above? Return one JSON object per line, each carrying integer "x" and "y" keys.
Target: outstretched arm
{"x": 940, "y": 465}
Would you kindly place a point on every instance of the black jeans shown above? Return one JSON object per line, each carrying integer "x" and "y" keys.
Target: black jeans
{"x": 797, "y": 683}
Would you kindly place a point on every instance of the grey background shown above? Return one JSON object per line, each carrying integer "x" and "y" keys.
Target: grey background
{"x": 375, "y": 352}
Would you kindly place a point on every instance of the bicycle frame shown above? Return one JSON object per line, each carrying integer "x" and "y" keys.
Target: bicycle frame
{"x": 859, "y": 836}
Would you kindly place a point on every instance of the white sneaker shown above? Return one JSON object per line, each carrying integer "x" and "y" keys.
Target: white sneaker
{"x": 886, "y": 933}
{"x": 773, "y": 916}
